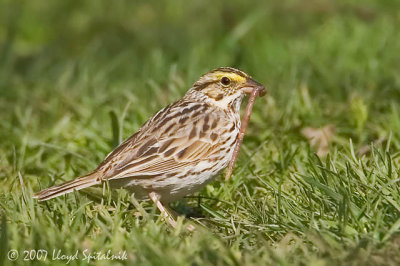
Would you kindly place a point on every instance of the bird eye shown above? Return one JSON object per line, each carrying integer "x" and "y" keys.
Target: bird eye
{"x": 225, "y": 81}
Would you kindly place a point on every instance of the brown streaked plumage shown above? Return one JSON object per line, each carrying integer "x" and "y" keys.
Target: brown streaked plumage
{"x": 181, "y": 148}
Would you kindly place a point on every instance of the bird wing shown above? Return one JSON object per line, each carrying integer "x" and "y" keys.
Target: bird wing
{"x": 175, "y": 139}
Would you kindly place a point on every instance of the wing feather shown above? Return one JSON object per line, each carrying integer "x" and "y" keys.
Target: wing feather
{"x": 186, "y": 156}
{"x": 182, "y": 140}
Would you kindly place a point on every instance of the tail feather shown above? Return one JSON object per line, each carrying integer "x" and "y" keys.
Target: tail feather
{"x": 67, "y": 187}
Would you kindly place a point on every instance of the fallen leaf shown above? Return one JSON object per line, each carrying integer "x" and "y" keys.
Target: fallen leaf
{"x": 319, "y": 138}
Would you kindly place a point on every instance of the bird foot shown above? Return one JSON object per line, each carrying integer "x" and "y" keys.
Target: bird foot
{"x": 167, "y": 213}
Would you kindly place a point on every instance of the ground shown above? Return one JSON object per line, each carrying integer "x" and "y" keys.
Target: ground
{"x": 77, "y": 77}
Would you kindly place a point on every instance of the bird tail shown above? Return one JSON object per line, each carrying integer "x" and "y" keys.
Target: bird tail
{"x": 67, "y": 187}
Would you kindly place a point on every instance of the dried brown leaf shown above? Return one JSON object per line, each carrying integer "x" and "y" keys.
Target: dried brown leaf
{"x": 319, "y": 138}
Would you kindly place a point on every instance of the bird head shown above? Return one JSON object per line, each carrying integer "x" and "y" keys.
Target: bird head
{"x": 225, "y": 85}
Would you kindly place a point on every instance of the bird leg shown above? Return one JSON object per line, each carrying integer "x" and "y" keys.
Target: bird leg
{"x": 246, "y": 118}
{"x": 168, "y": 214}
{"x": 164, "y": 211}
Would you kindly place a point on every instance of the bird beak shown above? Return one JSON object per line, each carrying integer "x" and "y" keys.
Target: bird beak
{"x": 251, "y": 84}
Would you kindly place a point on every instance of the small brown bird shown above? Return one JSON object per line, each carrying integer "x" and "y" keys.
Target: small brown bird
{"x": 181, "y": 148}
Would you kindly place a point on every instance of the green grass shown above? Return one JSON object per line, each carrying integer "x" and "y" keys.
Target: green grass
{"x": 76, "y": 77}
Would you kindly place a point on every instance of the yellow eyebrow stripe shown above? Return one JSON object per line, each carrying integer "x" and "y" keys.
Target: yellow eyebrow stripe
{"x": 232, "y": 76}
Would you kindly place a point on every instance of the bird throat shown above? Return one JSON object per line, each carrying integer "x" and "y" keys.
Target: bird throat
{"x": 228, "y": 102}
